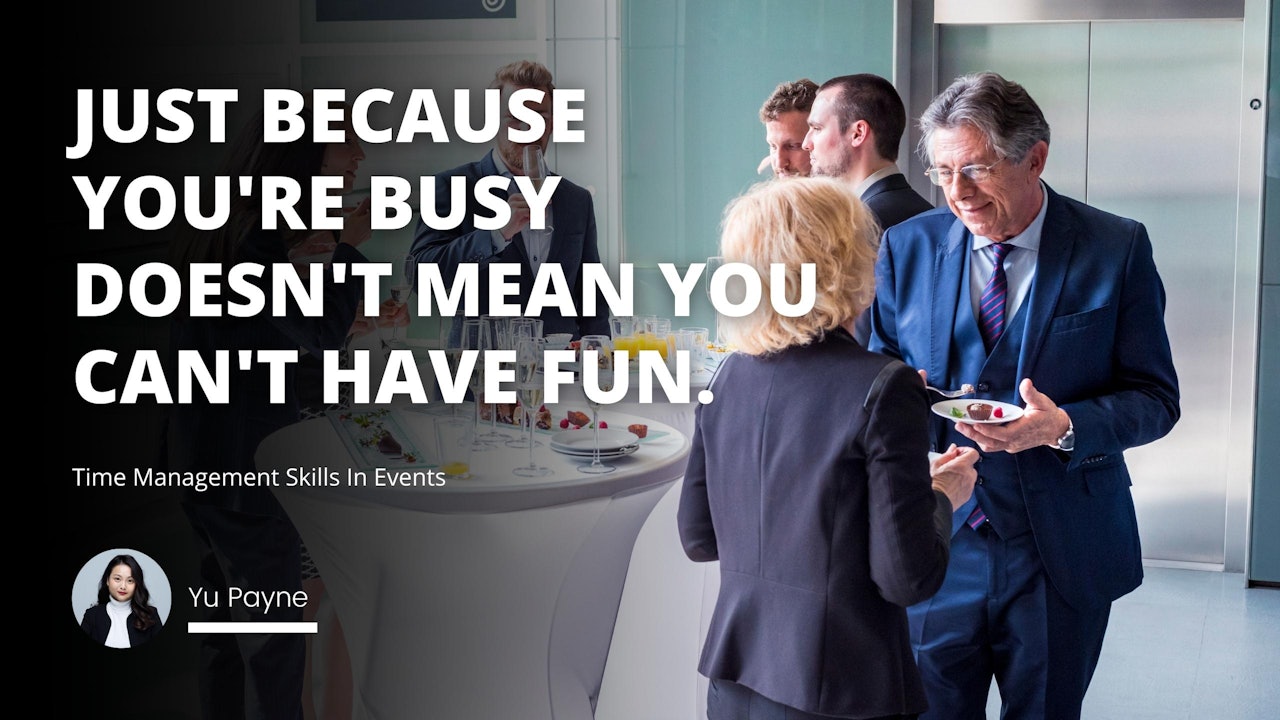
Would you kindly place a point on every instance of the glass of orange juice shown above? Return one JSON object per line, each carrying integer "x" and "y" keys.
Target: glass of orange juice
{"x": 655, "y": 335}
{"x": 454, "y": 446}
{"x": 623, "y": 330}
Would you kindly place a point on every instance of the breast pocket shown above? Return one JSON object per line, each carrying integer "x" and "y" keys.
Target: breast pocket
{"x": 1080, "y": 320}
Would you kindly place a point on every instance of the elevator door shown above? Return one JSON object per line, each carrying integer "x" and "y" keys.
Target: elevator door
{"x": 1145, "y": 120}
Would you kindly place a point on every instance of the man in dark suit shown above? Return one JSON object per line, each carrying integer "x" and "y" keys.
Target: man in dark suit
{"x": 569, "y": 239}
{"x": 855, "y": 126}
{"x": 1045, "y": 302}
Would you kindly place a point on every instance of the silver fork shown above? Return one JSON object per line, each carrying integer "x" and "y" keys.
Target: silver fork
{"x": 965, "y": 389}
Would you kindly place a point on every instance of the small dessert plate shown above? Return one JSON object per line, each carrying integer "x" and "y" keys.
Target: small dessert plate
{"x": 958, "y": 410}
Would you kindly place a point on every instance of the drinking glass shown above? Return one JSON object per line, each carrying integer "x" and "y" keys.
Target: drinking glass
{"x": 531, "y": 398}
{"x": 453, "y": 356}
{"x": 528, "y": 362}
{"x": 454, "y": 447}
{"x": 499, "y": 339}
{"x": 476, "y": 336}
{"x": 535, "y": 168}
{"x": 624, "y": 331}
{"x": 701, "y": 336}
{"x": 400, "y": 292}
{"x": 656, "y": 330}
{"x": 559, "y": 341}
{"x": 604, "y": 346}
{"x": 682, "y": 340}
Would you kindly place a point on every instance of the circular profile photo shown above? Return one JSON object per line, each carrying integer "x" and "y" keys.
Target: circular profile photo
{"x": 121, "y": 598}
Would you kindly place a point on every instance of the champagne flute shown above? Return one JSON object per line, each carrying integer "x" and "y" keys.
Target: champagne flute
{"x": 453, "y": 356}
{"x": 535, "y": 168}
{"x": 499, "y": 339}
{"x": 531, "y": 394}
{"x": 400, "y": 293}
{"x": 528, "y": 362}
{"x": 604, "y": 379}
{"x": 475, "y": 336}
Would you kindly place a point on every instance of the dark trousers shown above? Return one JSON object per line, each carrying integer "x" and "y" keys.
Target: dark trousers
{"x": 249, "y": 676}
{"x": 998, "y": 616}
{"x": 730, "y": 701}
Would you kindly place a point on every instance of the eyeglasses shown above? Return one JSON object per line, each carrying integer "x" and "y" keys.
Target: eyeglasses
{"x": 976, "y": 173}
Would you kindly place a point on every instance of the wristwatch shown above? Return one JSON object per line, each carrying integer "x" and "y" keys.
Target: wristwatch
{"x": 1067, "y": 442}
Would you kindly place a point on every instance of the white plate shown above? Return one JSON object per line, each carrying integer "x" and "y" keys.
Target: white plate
{"x": 576, "y": 441}
{"x": 604, "y": 454}
{"x": 944, "y": 408}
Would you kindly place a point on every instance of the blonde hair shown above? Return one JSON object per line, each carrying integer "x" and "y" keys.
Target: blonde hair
{"x": 818, "y": 221}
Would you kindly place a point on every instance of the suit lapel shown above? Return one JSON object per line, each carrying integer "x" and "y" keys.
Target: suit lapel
{"x": 1057, "y": 240}
{"x": 948, "y": 273}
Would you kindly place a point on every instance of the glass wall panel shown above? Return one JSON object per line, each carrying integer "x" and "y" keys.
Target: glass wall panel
{"x": 694, "y": 75}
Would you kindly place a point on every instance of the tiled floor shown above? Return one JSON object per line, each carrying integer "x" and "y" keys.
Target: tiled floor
{"x": 1188, "y": 644}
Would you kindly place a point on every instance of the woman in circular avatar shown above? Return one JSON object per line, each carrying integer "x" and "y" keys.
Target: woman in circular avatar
{"x": 123, "y": 616}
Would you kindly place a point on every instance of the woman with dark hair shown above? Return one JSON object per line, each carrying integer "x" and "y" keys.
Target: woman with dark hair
{"x": 124, "y": 616}
{"x": 245, "y": 537}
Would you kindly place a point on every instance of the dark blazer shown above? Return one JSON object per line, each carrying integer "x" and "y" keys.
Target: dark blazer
{"x": 573, "y": 243}
{"x": 1094, "y": 342}
{"x": 97, "y": 623}
{"x": 891, "y": 200}
{"x": 819, "y": 507}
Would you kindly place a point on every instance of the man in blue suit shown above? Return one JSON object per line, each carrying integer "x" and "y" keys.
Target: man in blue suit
{"x": 569, "y": 239}
{"x": 1051, "y": 304}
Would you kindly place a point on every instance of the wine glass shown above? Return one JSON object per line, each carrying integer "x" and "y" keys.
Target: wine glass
{"x": 453, "y": 356}
{"x": 499, "y": 339}
{"x": 535, "y": 168}
{"x": 531, "y": 393}
{"x": 713, "y": 263}
{"x": 604, "y": 380}
{"x": 400, "y": 293}
{"x": 528, "y": 361}
{"x": 475, "y": 336}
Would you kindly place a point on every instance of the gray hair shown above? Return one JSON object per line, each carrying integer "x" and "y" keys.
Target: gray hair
{"x": 1000, "y": 109}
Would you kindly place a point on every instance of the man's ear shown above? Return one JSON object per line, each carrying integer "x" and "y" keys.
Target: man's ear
{"x": 1037, "y": 157}
{"x": 859, "y": 133}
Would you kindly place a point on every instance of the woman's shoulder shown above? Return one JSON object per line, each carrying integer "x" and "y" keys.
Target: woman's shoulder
{"x": 93, "y": 614}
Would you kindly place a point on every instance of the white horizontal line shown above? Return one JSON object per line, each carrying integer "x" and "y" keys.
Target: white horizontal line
{"x": 252, "y": 627}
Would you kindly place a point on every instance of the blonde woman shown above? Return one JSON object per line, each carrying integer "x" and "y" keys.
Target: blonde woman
{"x": 809, "y": 480}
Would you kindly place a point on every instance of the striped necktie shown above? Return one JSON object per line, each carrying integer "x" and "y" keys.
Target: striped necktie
{"x": 976, "y": 518}
{"x": 991, "y": 308}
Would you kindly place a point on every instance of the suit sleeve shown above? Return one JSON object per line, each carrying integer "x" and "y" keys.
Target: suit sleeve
{"x": 910, "y": 523}
{"x": 450, "y": 248}
{"x": 693, "y": 518}
{"x": 883, "y": 311}
{"x": 1145, "y": 403}
{"x": 329, "y": 330}
{"x": 597, "y": 323}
